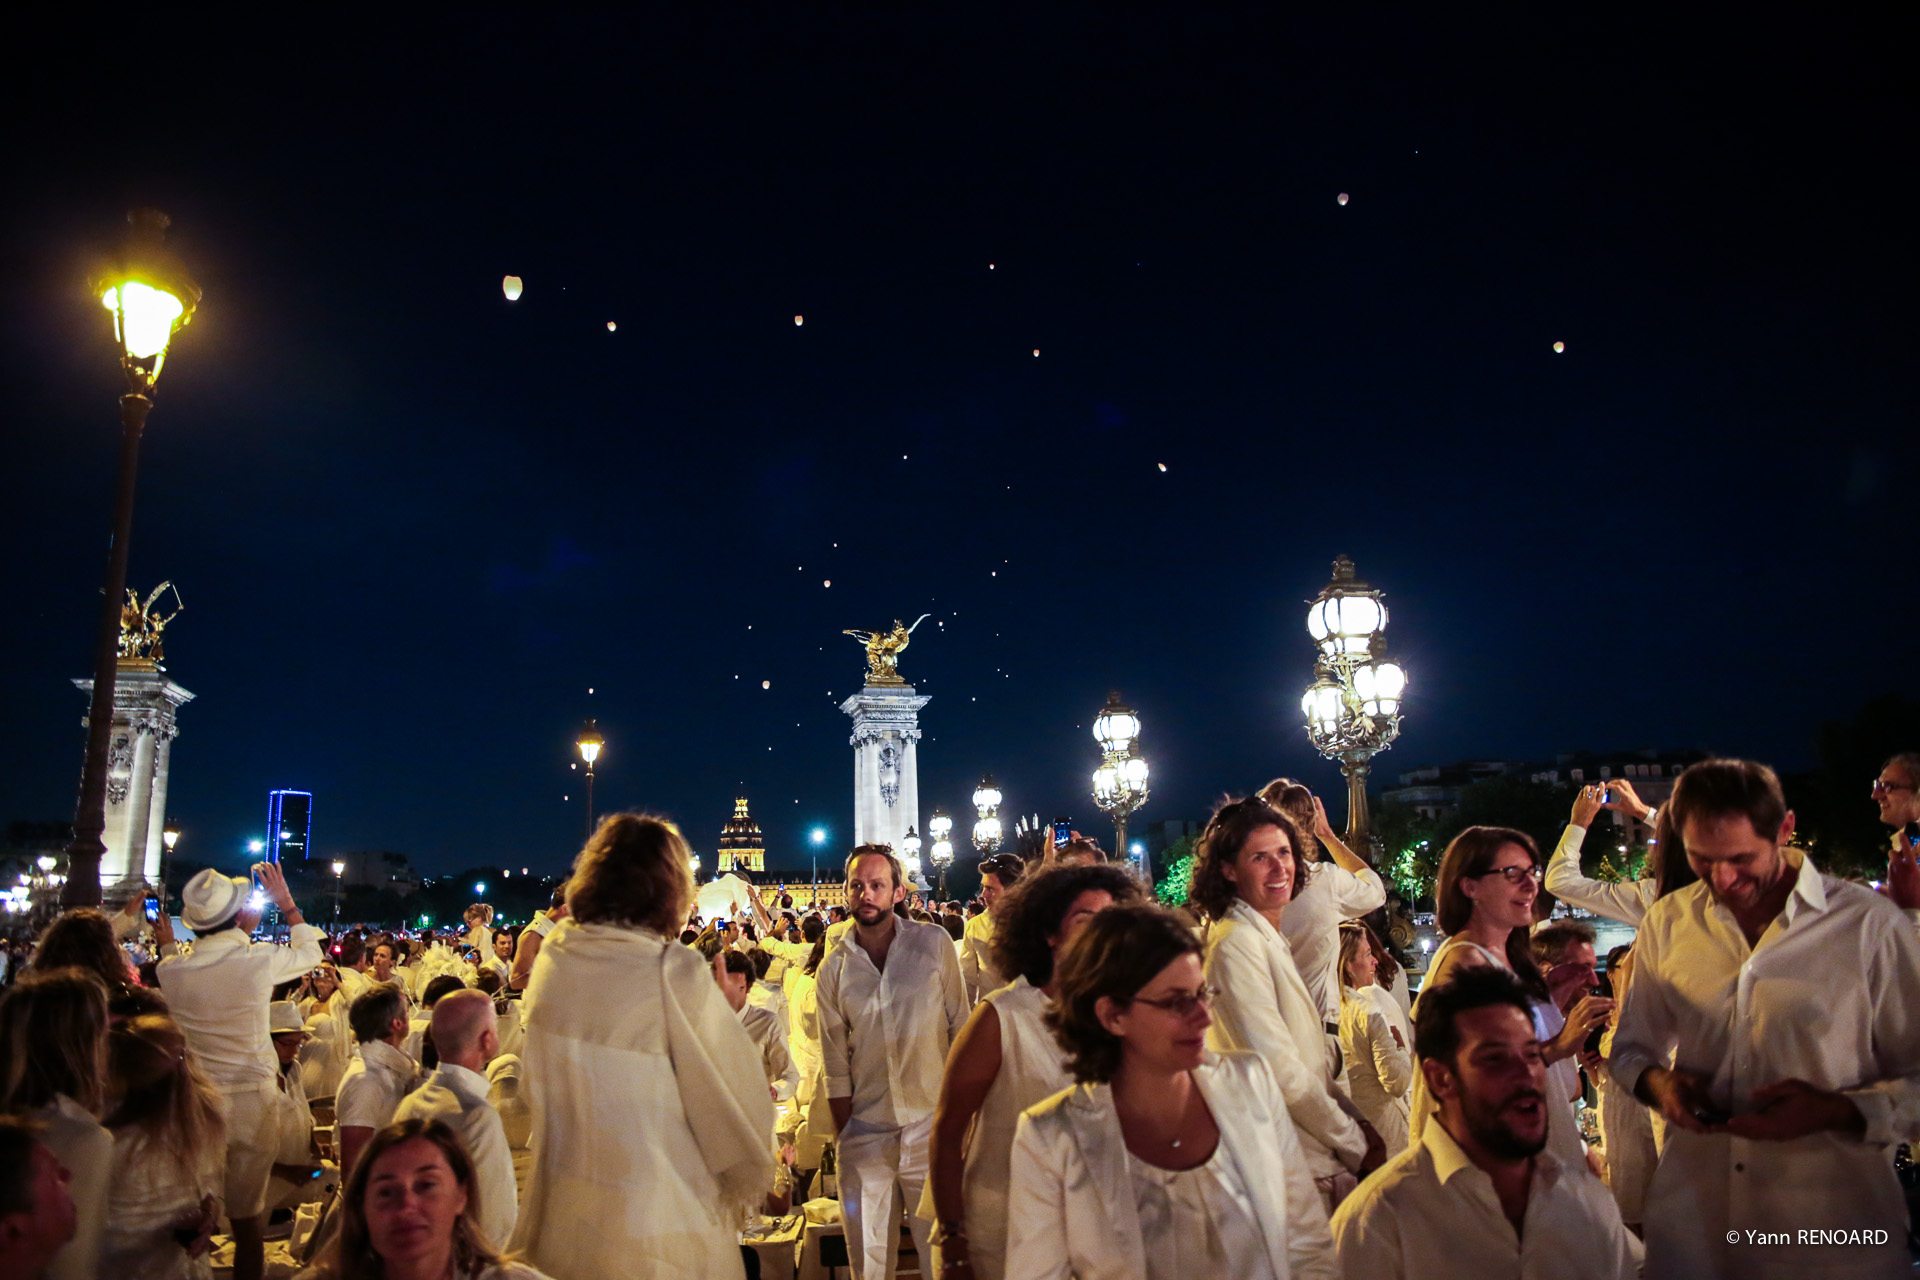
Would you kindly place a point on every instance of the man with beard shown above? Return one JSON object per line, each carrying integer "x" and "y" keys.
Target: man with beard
{"x": 1771, "y": 1022}
{"x": 891, "y": 1002}
{"x": 1479, "y": 1194}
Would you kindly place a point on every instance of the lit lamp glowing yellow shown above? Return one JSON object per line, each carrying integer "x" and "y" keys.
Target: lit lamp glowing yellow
{"x": 590, "y": 744}
{"x": 150, "y": 296}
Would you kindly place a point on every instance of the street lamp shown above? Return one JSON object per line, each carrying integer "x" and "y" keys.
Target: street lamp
{"x": 339, "y": 888}
{"x": 987, "y": 831}
{"x": 590, "y": 743}
{"x": 1352, "y": 707}
{"x": 910, "y": 853}
{"x": 169, "y": 837}
{"x": 150, "y": 296}
{"x": 1120, "y": 783}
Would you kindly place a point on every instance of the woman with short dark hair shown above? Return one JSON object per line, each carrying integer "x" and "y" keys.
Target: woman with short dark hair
{"x": 650, "y": 1108}
{"x": 1006, "y": 1060}
{"x": 1165, "y": 1161}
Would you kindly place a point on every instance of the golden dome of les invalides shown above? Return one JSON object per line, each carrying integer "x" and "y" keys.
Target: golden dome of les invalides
{"x": 741, "y": 847}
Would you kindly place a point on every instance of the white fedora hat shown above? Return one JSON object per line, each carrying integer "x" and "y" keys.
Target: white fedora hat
{"x": 211, "y": 899}
{"x": 284, "y": 1018}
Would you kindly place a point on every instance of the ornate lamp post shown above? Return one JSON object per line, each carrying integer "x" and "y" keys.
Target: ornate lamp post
{"x": 910, "y": 855}
{"x": 169, "y": 837}
{"x": 940, "y": 827}
{"x": 590, "y": 744}
{"x": 150, "y": 296}
{"x": 987, "y": 831}
{"x": 1353, "y": 705}
{"x": 1120, "y": 783}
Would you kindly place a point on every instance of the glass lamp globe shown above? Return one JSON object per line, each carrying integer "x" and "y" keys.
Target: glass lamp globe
{"x": 590, "y": 742}
{"x": 1322, "y": 706}
{"x": 1135, "y": 772}
{"x": 939, "y": 826}
{"x": 911, "y": 863}
{"x": 986, "y": 832}
{"x": 942, "y": 852}
{"x": 1106, "y": 782}
{"x": 986, "y": 795}
{"x": 1379, "y": 685}
{"x": 1116, "y": 726}
{"x": 910, "y": 843}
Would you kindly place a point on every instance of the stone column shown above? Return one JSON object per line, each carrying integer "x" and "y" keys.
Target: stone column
{"x": 886, "y": 794}
{"x": 139, "y": 753}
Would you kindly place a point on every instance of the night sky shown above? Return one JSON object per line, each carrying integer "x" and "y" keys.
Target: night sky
{"x": 413, "y": 524}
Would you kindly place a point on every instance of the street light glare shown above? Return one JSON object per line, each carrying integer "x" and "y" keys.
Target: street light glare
{"x": 480, "y": 889}
{"x": 145, "y": 316}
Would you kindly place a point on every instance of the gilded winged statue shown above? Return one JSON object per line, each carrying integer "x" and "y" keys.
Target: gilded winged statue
{"x": 141, "y": 623}
{"x": 884, "y": 648}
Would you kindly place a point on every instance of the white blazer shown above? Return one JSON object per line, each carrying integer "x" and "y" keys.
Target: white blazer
{"x": 1070, "y": 1208}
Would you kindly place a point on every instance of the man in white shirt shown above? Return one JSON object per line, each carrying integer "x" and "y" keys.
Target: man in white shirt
{"x": 1897, "y": 793}
{"x": 767, "y": 991}
{"x": 734, "y": 974}
{"x": 998, "y": 874}
{"x": 467, "y": 1038}
{"x": 380, "y": 1077}
{"x": 891, "y": 1003}
{"x": 219, "y": 996}
{"x": 1479, "y": 1194}
{"x": 1772, "y": 1021}
{"x": 352, "y": 964}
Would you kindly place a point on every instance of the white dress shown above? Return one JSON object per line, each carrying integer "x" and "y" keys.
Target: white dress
{"x": 151, "y": 1193}
{"x": 1032, "y": 1069}
{"x": 1379, "y": 1068}
{"x": 1563, "y": 1126}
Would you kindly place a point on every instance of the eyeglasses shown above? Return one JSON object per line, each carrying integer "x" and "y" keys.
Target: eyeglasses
{"x": 1181, "y": 1004}
{"x": 1881, "y": 785}
{"x": 1514, "y": 875}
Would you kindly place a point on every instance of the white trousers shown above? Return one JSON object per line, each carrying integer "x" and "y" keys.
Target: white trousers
{"x": 882, "y": 1172}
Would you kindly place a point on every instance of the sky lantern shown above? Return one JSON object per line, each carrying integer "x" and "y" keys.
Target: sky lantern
{"x": 1036, "y": 351}
{"x": 1161, "y": 465}
{"x": 1343, "y": 199}
{"x": 798, "y": 321}
{"x": 611, "y": 326}
{"x": 766, "y": 684}
{"x": 1559, "y": 346}
{"x": 510, "y": 285}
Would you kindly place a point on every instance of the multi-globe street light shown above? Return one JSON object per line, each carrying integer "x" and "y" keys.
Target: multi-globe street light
{"x": 150, "y": 297}
{"x": 1353, "y": 705}
{"x": 940, "y": 827}
{"x": 1120, "y": 783}
{"x": 987, "y": 832}
{"x": 910, "y": 854}
{"x": 590, "y": 744}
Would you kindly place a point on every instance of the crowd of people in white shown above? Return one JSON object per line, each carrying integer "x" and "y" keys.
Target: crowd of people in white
{"x": 1060, "y": 1079}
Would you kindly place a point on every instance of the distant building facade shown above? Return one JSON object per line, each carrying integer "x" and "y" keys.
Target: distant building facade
{"x": 1434, "y": 790}
{"x": 741, "y": 846}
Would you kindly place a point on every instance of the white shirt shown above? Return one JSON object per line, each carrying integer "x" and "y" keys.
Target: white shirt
{"x": 459, "y": 1097}
{"x": 373, "y": 1086}
{"x": 765, "y": 1031}
{"x": 1827, "y": 997}
{"x": 1432, "y": 1213}
{"x": 1626, "y": 901}
{"x": 219, "y": 997}
{"x": 1311, "y": 924}
{"x": 1198, "y": 1222}
{"x": 884, "y": 1036}
{"x": 976, "y": 958}
{"x": 767, "y": 994}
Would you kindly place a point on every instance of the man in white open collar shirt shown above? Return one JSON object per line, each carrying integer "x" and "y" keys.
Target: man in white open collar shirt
{"x": 219, "y": 996}
{"x": 1480, "y": 1194}
{"x": 467, "y": 1036}
{"x": 891, "y": 1002}
{"x": 1773, "y": 1021}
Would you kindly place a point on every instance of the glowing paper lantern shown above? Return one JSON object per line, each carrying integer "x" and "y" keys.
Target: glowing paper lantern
{"x": 1559, "y": 346}
{"x": 827, "y": 583}
{"x": 766, "y": 684}
{"x": 1343, "y": 199}
{"x": 1161, "y": 465}
{"x": 1036, "y": 351}
{"x": 611, "y": 326}
{"x": 798, "y": 321}
{"x": 510, "y": 285}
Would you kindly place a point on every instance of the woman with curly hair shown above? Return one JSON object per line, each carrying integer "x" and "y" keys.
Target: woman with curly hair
{"x": 1247, "y": 866}
{"x": 1005, "y": 1061}
{"x": 408, "y": 1213}
{"x": 169, "y": 1155}
{"x": 1165, "y": 1161}
{"x": 83, "y": 939}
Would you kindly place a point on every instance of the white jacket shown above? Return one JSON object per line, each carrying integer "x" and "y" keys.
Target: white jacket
{"x": 1070, "y": 1209}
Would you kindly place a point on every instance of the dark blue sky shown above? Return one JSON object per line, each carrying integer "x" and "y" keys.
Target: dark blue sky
{"x": 413, "y": 524}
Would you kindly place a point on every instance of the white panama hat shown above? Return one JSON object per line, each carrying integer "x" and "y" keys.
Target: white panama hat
{"x": 211, "y": 899}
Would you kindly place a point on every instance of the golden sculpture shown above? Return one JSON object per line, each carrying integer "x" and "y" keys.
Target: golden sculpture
{"x": 141, "y": 624}
{"x": 883, "y": 650}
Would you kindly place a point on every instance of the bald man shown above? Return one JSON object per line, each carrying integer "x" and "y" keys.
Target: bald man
{"x": 466, "y": 1036}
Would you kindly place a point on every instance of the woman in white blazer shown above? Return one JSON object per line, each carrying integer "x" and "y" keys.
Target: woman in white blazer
{"x": 1245, "y": 873}
{"x": 1165, "y": 1162}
